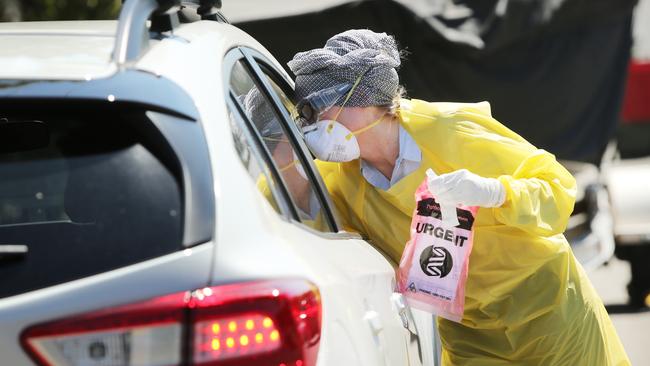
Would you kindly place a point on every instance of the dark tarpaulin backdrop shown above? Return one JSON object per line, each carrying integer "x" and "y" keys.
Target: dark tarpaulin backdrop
{"x": 553, "y": 70}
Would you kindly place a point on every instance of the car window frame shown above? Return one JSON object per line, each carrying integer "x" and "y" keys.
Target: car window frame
{"x": 255, "y": 61}
{"x": 259, "y": 150}
{"x": 284, "y": 207}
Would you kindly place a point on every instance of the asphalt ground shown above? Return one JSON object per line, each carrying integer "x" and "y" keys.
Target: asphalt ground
{"x": 632, "y": 325}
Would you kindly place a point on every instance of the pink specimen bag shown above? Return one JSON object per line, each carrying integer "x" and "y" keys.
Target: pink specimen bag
{"x": 433, "y": 268}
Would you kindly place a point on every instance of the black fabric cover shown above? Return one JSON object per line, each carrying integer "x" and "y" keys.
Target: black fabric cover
{"x": 553, "y": 70}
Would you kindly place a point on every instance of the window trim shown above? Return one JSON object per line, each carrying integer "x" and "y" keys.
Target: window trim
{"x": 262, "y": 84}
{"x": 251, "y": 58}
{"x": 254, "y": 57}
{"x": 260, "y": 151}
{"x": 279, "y": 194}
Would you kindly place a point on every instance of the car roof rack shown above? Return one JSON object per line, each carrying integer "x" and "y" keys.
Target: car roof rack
{"x": 132, "y": 36}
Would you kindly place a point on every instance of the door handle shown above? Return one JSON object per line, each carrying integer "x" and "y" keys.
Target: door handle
{"x": 404, "y": 312}
{"x": 372, "y": 318}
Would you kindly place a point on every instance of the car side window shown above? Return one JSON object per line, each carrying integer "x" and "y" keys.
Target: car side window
{"x": 267, "y": 123}
{"x": 287, "y": 103}
{"x": 255, "y": 166}
{"x": 282, "y": 89}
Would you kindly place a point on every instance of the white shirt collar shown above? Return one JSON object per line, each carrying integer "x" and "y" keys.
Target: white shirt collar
{"x": 408, "y": 160}
{"x": 408, "y": 149}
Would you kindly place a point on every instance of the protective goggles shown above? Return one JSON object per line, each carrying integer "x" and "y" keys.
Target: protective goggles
{"x": 315, "y": 104}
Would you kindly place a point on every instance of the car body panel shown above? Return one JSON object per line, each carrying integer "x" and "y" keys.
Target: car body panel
{"x": 628, "y": 183}
{"x": 57, "y": 50}
{"x": 125, "y": 86}
{"x": 177, "y": 272}
{"x": 590, "y": 227}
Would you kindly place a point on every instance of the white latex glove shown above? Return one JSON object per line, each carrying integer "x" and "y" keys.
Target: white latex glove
{"x": 466, "y": 188}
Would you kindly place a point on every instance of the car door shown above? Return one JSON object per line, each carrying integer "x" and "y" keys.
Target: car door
{"x": 261, "y": 97}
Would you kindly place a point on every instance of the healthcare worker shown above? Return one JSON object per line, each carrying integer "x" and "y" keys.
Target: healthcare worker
{"x": 528, "y": 300}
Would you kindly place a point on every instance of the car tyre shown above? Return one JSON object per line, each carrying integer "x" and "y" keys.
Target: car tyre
{"x": 639, "y": 287}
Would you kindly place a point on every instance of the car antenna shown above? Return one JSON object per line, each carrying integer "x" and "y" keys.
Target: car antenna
{"x": 211, "y": 10}
{"x": 132, "y": 36}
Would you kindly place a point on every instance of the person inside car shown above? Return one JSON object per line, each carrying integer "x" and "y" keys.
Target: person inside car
{"x": 261, "y": 114}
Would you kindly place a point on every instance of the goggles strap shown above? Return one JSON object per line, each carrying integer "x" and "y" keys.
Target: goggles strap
{"x": 354, "y": 86}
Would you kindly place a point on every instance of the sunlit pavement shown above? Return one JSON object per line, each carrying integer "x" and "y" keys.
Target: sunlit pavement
{"x": 633, "y": 327}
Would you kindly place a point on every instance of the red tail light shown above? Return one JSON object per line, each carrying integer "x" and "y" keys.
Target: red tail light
{"x": 259, "y": 323}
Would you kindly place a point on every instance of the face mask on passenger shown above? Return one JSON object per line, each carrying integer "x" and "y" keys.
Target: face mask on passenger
{"x": 294, "y": 162}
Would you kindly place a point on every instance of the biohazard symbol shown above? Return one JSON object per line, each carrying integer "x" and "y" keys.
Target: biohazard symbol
{"x": 436, "y": 261}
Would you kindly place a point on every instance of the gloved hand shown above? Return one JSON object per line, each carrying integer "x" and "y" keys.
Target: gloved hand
{"x": 466, "y": 188}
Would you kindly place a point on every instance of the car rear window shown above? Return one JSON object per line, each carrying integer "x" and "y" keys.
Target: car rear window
{"x": 86, "y": 190}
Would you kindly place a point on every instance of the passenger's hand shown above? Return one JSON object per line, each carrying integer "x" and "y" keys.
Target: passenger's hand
{"x": 466, "y": 188}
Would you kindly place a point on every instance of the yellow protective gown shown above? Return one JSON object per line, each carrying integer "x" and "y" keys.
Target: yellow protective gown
{"x": 528, "y": 301}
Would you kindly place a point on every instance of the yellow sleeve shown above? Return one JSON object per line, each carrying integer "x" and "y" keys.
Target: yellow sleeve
{"x": 263, "y": 186}
{"x": 319, "y": 222}
{"x": 540, "y": 192}
{"x": 540, "y": 195}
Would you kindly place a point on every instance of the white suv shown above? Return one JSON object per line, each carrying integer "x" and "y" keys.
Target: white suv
{"x": 146, "y": 220}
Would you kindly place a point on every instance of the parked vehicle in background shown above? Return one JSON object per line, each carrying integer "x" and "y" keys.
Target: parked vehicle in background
{"x": 590, "y": 229}
{"x": 132, "y": 226}
{"x": 627, "y": 168}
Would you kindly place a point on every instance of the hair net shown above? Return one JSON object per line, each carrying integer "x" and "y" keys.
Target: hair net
{"x": 346, "y": 56}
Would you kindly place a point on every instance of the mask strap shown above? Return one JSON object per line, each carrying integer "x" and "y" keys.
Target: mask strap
{"x": 364, "y": 129}
{"x": 284, "y": 169}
